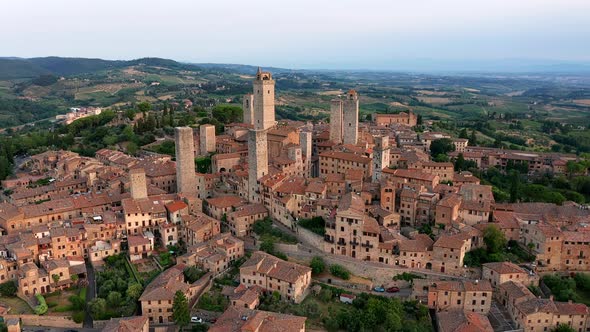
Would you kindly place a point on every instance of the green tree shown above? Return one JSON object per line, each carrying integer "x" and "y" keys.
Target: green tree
{"x": 180, "y": 311}
{"x": 144, "y": 106}
{"x": 441, "y": 146}
{"x": 97, "y": 307}
{"x": 55, "y": 278}
{"x": 134, "y": 291}
{"x": 8, "y": 288}
{"x": 473, "y": 138}
{"x": 114, "y": 299}
{"x": 317, "y": 265}
{"x": 132, "y": 148}
{"x": 494, "y": 239}
{"x": 340, "y": 271}
{"x": 563, "y": 328}
{"x": 463, "y": 133}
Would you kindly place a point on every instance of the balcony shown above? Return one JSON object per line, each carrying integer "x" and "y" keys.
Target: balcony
{"x": 341, "y": 242}
{"x": 327, "y": 239}
{"x": 354, "y": 243}
{"x": 367, "y": 245}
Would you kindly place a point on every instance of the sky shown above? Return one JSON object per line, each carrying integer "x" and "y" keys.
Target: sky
{"x": 314, "y": 34}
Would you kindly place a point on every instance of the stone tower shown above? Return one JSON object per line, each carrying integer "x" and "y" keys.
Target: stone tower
{"x": 186, "y": 180}
{"x": 380, "y": 156}
{"x": 207, "y": 138}
{"x": 294, "y": 153}
{"x": 264, "y": 119}
{"x": 257, "y": 162}
{"x": 336, "y": 121}
{"x": 248, "y": 107}
{"x": 138, "y": 183}
{"x": 306, "y": 149}
{"x": 350, "y": 116}
{"x": 264, "y": 100}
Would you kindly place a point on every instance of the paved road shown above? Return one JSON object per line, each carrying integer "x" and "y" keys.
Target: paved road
{"x": 90, "y": 294}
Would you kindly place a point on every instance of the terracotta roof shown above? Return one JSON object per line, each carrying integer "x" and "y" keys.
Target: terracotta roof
{"x": 176, "y": 206}
{"x": 226, "y": 201}
{"x": 460, "y": 321}
{"x": 411, "y": 174}
{"x": 236, "y": 319}
{"x": 274, "y": 267}
{"x": 450, "y": 241}
{"x": 346, "y": 156}
{"x": 165, "y": 285}
{"x": 515, "y": 290}
{"x": 420, "y": 243}
{"x": 504, "y": 267}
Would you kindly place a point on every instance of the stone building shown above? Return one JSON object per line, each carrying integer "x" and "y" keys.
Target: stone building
{"x": 471, "y": 296}
{"x": 336, "y": 121}
{"x": 138, "y": 183}
{"x": 381, "y": 156}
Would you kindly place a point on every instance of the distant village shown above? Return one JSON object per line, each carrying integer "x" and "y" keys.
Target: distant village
{"x": 374, "y": 184}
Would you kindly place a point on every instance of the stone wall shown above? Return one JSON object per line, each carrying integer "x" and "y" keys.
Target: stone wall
{"x": 310, "y": 238}
{"x": 51, "y": 321}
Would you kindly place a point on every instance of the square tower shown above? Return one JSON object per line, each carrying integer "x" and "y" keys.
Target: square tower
{"x": 186, "y": 180}
{"x": 305, "y": 143}
{"x": 138, "y": 183}
{"x": 336, "y": 121}
{"x": 381, "y": 156}
{"x": 248, "y": 108}
{"x": 264, "y": 100}
{"x": 350, "y": 115}
{"x": 257, "y": 162}
{"x": 207, "y": 138}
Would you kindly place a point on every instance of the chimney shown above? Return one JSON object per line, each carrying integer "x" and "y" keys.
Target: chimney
{"x": 551, "y": 298}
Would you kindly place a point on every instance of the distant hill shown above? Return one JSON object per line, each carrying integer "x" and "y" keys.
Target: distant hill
{"x": 20, "y": 68}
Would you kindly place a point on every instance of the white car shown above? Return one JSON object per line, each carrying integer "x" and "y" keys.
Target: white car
{"x": 196, "y": 319}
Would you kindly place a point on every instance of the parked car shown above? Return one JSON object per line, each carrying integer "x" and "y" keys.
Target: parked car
{"x": 196, "y": 319}
{"x": 392, "y": 289}
{"x": 379, "y": 289}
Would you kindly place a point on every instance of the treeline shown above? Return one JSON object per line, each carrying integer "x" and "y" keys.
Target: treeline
{"x": 14, "y": 112}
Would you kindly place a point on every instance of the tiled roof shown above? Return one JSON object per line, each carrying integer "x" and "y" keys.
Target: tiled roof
{"x": 504, "y": 267}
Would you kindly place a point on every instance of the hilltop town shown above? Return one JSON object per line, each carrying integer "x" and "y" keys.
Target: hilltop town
{"x": 293, "y": 217}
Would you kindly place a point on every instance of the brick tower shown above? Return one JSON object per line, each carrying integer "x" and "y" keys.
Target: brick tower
{"x": 380, "y": 156}
{"x": 264, "y": 119}
{"x": 186, "y": 180}
{"x": 336, "y": 121}
{"x": 350, "y": 115}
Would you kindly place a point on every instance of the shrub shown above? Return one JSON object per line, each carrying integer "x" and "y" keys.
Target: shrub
{"x": 8, "y": 288}
{"x": 340, "y": 271}
{"x": 317, "y": 265}
{"x": 42, "y": 307}
{"x": 78, "y": 316}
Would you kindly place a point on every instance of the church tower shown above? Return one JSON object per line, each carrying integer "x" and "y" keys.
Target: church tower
{"x": 350, "y": 115}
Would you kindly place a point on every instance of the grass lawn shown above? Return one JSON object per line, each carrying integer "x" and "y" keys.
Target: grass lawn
{"x": 17, "y": 306}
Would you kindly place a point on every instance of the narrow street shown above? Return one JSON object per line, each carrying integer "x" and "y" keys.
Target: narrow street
{"x": 90, "y": 294}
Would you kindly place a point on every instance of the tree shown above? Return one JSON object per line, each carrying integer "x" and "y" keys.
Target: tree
{"x": 134, "y": 291}
{"x": 563, "y": 328}
{"x": 473, "y": 138}
{"x": 340, "y": 271}
{"x": 494, "y": 239}
{"x": 317, "y": 265}
{"x": 441, "y": 146}
{"x": 132, "y": 148}
{"x": 463, "y": 133}
{"x": 180, "y": 312}
{"x": 514, "y": 186}
{"x": 114, "y": 299}
{"x": 8, "y": 288}
{"x": 144, "y": 106}
{"x": 55, "y": 278}
{"x": 97, "y": 307}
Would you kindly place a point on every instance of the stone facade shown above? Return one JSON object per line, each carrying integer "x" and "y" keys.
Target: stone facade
{"x": 206, "y": 139}
{"x": 248, "y": 107}
{"x": 336, "y": 121}
{"x": 138, "y": 183}
{"x": 380, "y": 156}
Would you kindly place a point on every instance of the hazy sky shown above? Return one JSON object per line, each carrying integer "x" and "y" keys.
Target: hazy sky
{"x": 385, "y": 34}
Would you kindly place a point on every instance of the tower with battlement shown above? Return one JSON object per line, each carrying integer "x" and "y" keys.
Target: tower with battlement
{"x": 336, "y": 121}
{"x": 381, "y": 156}
{"x": 264, "y": 100}
{"x": 186, "y": 180}
{"x": 350, "y": 117}
{"x": 138, "y": 183}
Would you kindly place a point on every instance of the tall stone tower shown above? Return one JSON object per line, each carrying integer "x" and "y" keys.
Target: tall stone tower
{"x": 248, "y": 107}
{"x": 264, "y": 100}
{"x": 336, "y": 121}
{"x": 306, "y": 150}
{"x": 186, "y": 180}
{"x": 138, "y": 183}
{"x": 207, "y": 138}
{"x": 350, "y": 115}
{"x": 380, "y": 156}
{"x": 387, "y": 196}
{"x": 264, "y": 119}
